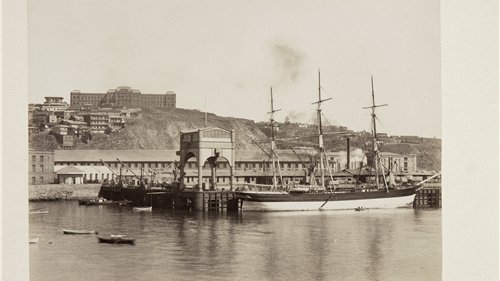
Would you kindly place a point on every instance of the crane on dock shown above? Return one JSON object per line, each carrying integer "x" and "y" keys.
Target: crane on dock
{"x": 119, "y": 177}
{"x": 140, "y": 178}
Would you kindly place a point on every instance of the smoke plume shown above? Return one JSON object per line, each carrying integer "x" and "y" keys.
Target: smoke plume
{"x": 288, "y": 62}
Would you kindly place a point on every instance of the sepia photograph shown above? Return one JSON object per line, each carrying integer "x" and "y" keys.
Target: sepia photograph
{"x": 235, "y": 140}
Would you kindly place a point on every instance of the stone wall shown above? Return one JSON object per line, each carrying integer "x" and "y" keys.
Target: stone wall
{"x": 63, "y": 191}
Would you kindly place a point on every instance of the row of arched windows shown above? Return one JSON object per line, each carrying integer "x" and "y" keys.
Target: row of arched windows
{"x": 33, "y": 168}
{"x": 33, "y": 158}
{"x": 33, "y": 180}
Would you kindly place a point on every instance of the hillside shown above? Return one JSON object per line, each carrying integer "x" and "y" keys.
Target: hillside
{"x": 428, "y": 153}
{"x": 159, "y": 129}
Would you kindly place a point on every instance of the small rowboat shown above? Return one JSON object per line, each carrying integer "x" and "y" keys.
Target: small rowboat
{"x": 108, "y": 202}
{"x": 143, "y": 208}
{"x": 38, "y": 212}
{"x": 116, "y": 240}
{"x": 34, "y": 240}
{"x": 67, "y": 231}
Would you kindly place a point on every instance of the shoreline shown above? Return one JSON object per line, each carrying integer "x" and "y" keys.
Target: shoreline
{"x": 59, "y": 192}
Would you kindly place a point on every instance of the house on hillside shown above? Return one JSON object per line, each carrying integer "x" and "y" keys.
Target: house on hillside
{"x": 116, "y": 122}
{"x": 410, "y": 139}
{"x": 54, "y": 103}
{"x": 97, "y": 122}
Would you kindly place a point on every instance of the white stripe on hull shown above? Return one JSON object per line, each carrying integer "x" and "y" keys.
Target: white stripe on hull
{"x": 381, "y": 203}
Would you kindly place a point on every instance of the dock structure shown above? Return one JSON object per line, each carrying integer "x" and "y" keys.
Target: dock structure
{"x": 217, "y": 200}
{"x": 212, "y": 144}
{"x": 207, "y": 144}
{"x": 222, "y": 200}
{"x": 429, "y": 196}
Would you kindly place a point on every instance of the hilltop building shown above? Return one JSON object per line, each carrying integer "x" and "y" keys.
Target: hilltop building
{"x": 122, "y": 97}
{"x": 54, "y": 103}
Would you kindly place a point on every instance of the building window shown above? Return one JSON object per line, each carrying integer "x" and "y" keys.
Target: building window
{"x": 96, "y": 176}
{"x": 33, "y": 158}
{"x": 41, "y": 179}
{"x": 33, "y": 180}
{"x": 41, "y": 168}
{"x": 33, "y": 168}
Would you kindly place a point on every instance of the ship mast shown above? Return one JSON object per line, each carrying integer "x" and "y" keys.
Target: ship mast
{"x": 374, "y": 145}
{"x": 273, "y": 140}
{"x": 321, "y": 149}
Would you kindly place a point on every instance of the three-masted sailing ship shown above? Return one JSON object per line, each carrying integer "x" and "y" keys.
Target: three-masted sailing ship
{"x": 318, "y": 196}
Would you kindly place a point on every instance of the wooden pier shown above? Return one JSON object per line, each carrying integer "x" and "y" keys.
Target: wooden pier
{"x": 429, "y": 196}
{"x": 181, "y": 200}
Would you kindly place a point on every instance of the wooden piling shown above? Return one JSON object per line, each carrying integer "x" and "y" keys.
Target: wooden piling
{"x": 203, "y": 201}
{"x": 429, "y": 197}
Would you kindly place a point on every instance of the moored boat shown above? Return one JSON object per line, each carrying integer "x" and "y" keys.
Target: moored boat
{"x": 143, "y": 208}
{"x": 38, "y": 212}
{"x": 34, "y": 240}
{"x": 108, "y": 202}
{"x": 116, "y": 240}
{"x": 68, "y": 231}
{"x": 318, "y": 196}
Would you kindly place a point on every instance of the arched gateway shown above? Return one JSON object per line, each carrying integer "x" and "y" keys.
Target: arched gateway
{"x": 207, "y": 144}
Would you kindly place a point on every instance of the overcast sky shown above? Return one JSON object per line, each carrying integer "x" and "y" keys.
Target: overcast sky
{"x": 232, "y": 52}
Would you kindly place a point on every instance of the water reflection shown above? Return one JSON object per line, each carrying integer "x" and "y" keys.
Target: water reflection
{"x": 338, "y": 245}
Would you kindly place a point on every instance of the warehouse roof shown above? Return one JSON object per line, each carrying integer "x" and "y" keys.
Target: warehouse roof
{"x": 70, "y": 170}
{"x": 112, "y": 155}
{"x": 170, "y": 155}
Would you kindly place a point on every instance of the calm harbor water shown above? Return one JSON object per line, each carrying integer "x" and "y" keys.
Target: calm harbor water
{"x": 403, "y": 244}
